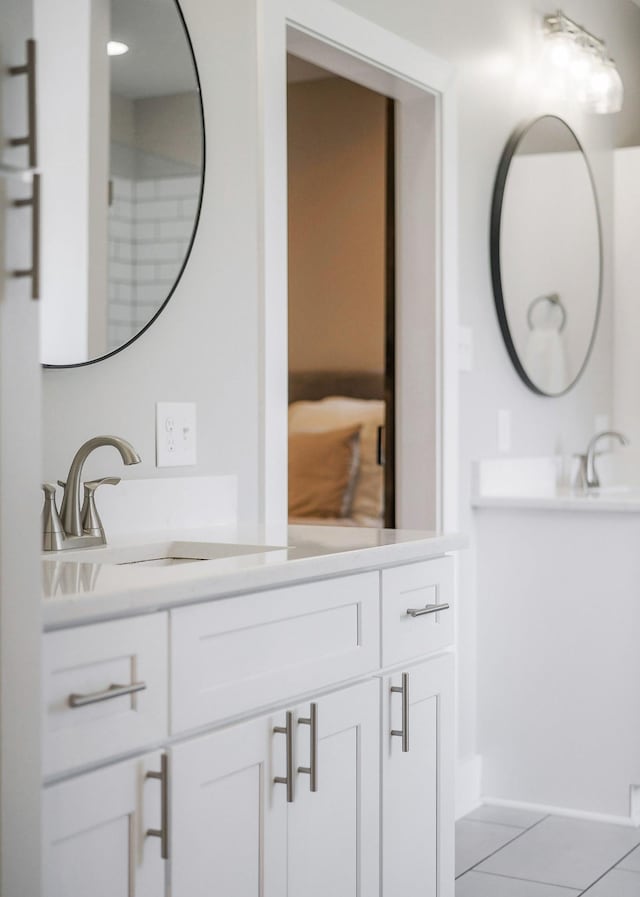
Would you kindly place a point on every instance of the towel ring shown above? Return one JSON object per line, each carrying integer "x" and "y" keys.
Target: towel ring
{"x": 554, "y": 299}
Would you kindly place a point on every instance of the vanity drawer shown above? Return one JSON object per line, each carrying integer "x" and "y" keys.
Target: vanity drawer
{"x": 85, "y": 718}
{"x": 416, "y": 588}
{"x": 238, "y": 654}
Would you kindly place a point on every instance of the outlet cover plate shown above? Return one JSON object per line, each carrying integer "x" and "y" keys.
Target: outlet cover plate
{"x": 175, "y": 434}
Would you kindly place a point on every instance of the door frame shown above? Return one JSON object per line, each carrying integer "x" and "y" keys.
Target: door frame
{"x": 328, "y": 35}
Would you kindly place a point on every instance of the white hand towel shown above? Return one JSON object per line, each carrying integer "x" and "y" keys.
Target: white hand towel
{"x": 545, "y": 360}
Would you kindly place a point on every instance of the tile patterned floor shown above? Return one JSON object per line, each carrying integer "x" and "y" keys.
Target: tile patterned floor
{"x": 502, "y": 852}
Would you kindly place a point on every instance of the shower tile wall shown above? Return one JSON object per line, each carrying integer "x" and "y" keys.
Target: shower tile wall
{"x": 150, "y": 226}
{"x": 121, "y": 288}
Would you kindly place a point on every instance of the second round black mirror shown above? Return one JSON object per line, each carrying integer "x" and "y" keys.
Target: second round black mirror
{"x": 546, "y": 254}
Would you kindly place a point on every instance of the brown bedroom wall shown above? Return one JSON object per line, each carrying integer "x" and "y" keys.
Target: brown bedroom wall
{"x": 336, "y": 146}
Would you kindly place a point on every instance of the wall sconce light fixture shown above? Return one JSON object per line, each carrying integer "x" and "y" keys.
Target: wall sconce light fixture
{"x": 583, "y": 64}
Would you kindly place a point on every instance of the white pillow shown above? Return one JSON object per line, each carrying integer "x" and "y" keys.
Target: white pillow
{"x": 335, "y": 412}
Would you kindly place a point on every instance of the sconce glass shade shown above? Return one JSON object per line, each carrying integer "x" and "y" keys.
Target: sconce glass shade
{"x": 606, "y": 91}
{"x": 578, "y": 66}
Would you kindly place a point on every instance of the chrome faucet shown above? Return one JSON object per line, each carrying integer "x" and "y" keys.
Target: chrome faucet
{"x": 78, "y": 526}
{"x": 588, "y": 471}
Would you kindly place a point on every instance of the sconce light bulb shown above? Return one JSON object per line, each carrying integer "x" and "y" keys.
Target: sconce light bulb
{"x": 560, "y": 50}
{"x": 116, "y": 48}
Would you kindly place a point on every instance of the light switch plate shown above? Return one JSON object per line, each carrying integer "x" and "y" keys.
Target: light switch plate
{"x": 465, "y": 349}
{"x": 175, "y": 434}
{"x": 504, "y": 431}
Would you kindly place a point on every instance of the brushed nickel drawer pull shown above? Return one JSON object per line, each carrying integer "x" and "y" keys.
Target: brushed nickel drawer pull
{"x": 312, "y": 769}
{"x": 163, "y": 831}
{"x": 288, "y": 779}
{"x": 404, "y": 731}
{"x": 114, "y": 691}
{"x": 428, "y": 609}
{"x": 34, "y": 271}
{"x": 29, "y": 69}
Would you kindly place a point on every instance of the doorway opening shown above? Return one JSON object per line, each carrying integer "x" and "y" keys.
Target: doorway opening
{"x": 341, "y": 309}
{"x": 426, "y": 317}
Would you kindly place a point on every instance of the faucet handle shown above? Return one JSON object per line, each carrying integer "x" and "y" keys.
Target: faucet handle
{"x": 92, "y": 485}
{"x": 53, "y": 534}
{"x": 580, "y": 477}
{"x": 91, "y": 523}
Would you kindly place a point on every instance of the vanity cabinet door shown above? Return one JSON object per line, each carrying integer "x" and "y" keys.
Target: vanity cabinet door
{"x": 234, "y": 833}
{"x": 228, "y": 817}
{"x": 95, "y": 826}
{"x": 417, "y": 784}
{"x": 333, "y": 832}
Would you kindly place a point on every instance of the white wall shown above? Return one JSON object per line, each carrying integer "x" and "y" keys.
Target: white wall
{"x": 205, "y": 345}
{"x": 626, "y": 372}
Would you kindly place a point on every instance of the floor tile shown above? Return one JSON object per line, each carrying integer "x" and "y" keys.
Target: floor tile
{"x": 632, "y": 862}
{"x": 476, "y": 840}
{"x": 616, "y": 883}
{"x": 479, "y": 884}
{"x": 563, "y": 851}
{"x": 506, "y": 816}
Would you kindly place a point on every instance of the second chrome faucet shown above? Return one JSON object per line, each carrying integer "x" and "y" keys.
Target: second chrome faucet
{"x": 79, "y": 525}
{"x": 588, "y": 474}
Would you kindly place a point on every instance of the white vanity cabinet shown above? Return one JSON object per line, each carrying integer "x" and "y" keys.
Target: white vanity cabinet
{"x": 104, "y": 691}
{"x": 417, "y": 783}
{"x": 95, "y": 826}
{"x": 307, "y": 747}
{"x": 237, "y": 832}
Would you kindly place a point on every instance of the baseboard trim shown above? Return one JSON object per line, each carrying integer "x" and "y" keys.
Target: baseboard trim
{"x": 468, "y": 785}
{"x": 560, "y": 811}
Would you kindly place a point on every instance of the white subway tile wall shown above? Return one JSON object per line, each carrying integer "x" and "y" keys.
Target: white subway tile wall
{"x": 150, "y": 226}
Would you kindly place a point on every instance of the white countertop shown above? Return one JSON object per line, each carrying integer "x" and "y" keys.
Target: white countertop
{"x": 78, "y": 591}
{"x": 625, "y": 501}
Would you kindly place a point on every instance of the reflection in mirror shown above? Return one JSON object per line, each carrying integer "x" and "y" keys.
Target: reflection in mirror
{"x": 546, "y": 255}
{"x": 121, "y": 144}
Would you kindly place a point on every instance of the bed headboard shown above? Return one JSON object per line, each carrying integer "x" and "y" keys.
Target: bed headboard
{"x": 314, "y": 385}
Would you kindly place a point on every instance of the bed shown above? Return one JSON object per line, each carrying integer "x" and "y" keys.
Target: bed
{"x": 335, "y": 419}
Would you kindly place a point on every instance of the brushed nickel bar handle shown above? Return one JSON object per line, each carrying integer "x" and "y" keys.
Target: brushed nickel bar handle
{"x": 404, "y": 731}
{"x": 288, "y": 779}
{"x": 312, "y": 769}
{"x": 34, "y": 271}
{"x": 114, "y": 691}
{"x": 163, "y": 831}
{"x": 29, "y": 69}
{"x": 429, "y": 609}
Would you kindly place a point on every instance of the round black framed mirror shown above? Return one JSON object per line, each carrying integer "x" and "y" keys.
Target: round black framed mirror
{"x": 546, "y": 254}
{"x": 122, "y": 153}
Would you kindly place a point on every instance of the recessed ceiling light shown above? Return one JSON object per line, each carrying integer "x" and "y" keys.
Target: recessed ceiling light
{"x": 116, "y": 48}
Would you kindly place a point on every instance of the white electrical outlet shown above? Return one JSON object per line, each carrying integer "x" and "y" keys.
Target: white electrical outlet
{"x": 175, "y": 434}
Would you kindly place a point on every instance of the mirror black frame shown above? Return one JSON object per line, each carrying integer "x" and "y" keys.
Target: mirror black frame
{"x": 494, "y": 249}
{"x": 196, "y": 222}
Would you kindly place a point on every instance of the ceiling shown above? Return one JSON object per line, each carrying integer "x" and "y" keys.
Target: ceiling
{"x": 159, "y": 60}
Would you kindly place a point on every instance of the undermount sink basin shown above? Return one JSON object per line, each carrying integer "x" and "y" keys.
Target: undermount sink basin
{"x": 162, "y": 554}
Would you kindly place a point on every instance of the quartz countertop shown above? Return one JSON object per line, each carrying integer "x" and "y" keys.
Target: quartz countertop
{"x": 78, "y": 591}
{"x": 608, "y": 500}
